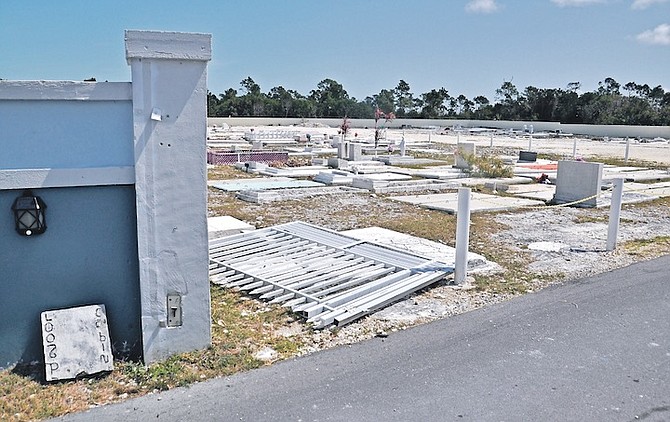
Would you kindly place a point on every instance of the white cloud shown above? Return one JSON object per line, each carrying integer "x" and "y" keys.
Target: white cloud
{"x": 643, "y": 4}
{"x": 575, "y": 3}
{"x": 657, "y": 36}
{"x": 482, "y": 6}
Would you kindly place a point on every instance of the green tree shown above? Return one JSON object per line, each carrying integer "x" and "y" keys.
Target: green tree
{"x": 435, "y": 103}
{"x": 509, "y": 102}
{"x": 212, "y": 104}
{"x": 385, "y": 100}
{"x": 251, "y": 103}
{"x": 404, "y": 99}
{"x": 331, "y": 99}
{"x": 483, "y": 110}
{"x": 541, "y": 104}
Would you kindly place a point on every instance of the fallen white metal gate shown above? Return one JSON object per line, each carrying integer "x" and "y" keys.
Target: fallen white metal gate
{"x": 327, "y": 277}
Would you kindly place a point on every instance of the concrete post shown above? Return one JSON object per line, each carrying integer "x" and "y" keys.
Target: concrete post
{"x": 530, "y": 142}
{"x": 169, "y": 91}
{"x": 574, "y": 148}
{"x": 462, "y": 235}
{"x": 491, "y": 141}
{"x": 615, "y": 212}
{"x": 625, "y": 159}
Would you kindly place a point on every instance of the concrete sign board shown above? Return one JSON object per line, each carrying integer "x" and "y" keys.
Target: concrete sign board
{"x": 76, "y": 342}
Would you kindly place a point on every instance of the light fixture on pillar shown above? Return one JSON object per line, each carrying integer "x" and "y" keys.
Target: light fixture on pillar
{"x": 29, "y": 214}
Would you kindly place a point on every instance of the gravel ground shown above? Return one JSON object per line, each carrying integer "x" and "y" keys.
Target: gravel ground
{"x": 570, "y": 244}
{"x": 560, "y": 244}
{"x": 578, "y": 251}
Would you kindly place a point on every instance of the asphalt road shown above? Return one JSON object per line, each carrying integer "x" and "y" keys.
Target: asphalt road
{"x": 593, "y": 350}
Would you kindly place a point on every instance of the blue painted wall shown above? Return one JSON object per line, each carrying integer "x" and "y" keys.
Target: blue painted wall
{"x": 88, "y": 255}
{"x": 65, "y": 134}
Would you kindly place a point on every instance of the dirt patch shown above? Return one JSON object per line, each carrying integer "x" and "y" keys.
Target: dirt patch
{"x": 501, "y": 237}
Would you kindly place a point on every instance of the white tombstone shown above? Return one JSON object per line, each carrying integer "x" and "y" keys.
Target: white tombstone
{"x": 342, "y": 150}
{"x": 355, "y": 152}
{"x": 76, "y": 342}
{"x": 578, "y": 180}
{"x": 464, "y": 149}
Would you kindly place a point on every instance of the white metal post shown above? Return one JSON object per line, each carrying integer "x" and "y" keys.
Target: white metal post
{"x": 491, "y": 141}
{"x": 615, "y": 212}
{"x": 462, "y": 235}
{"x": 574, "y": 148}
{"x": 530, "y": 142}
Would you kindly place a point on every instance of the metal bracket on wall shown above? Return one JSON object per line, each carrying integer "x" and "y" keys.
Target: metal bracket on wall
{"x": 174, "y": 310}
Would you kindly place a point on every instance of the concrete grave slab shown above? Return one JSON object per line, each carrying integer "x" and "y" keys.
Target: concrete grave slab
{"x": 441, "y": 173}
{"x": 605, "y": 198}
{"x": 479, "y": 181}
{"x": 395, "y": 160}
{"x": 661, "y": 189}
{"x": 235, "y": 185}
{"x": 537, "y": 191}
{"x": 536, "y": 169}
{"x": 76, "y": 342}
{"x": 406, "y": 186}
{"x": 424, "y": 199}
{"x": 419, "y": 246}
{"x": 275, "y": 195}
{"x": 385, "y": 176}
{"x": 637, "y": 175}
{"x": 303, "y": 171}
{"x": 448, "y": 202}
{"x": 504, "y": 184}
{"x": 334, "y": 177}
{"x": 226, "y": 225}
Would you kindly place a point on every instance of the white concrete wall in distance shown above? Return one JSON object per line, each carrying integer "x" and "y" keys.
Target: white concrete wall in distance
{"x": 587, "y": 130}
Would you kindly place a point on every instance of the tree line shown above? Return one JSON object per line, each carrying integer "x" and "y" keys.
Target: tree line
{"x": 609, "y": 104}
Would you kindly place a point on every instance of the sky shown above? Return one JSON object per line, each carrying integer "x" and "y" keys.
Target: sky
{"x": 468, "y": 47}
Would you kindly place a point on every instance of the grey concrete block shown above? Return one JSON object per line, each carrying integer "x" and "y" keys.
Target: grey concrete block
{"x": 577, "y": 181}
{"x": 76, "y": 342}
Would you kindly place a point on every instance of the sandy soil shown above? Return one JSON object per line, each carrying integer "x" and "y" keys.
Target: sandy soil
{"x": 564, "y": 244}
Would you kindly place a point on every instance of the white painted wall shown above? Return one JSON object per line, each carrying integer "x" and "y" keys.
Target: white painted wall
{"x": 169, "y": 74}
{"x": 122, "y": 168}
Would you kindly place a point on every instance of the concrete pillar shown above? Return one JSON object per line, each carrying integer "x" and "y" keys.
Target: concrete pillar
{"x": 169, "y": 91}
{"x": 615, "y": 213}
{"x": 462, "y": 235}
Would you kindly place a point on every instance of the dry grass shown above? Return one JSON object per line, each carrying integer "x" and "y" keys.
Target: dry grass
{"x": 241, "y": 327}
{"x": 648, "y": 248}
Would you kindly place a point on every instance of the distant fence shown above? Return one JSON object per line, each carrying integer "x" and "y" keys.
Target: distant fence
{"x": 223, "y": 158}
